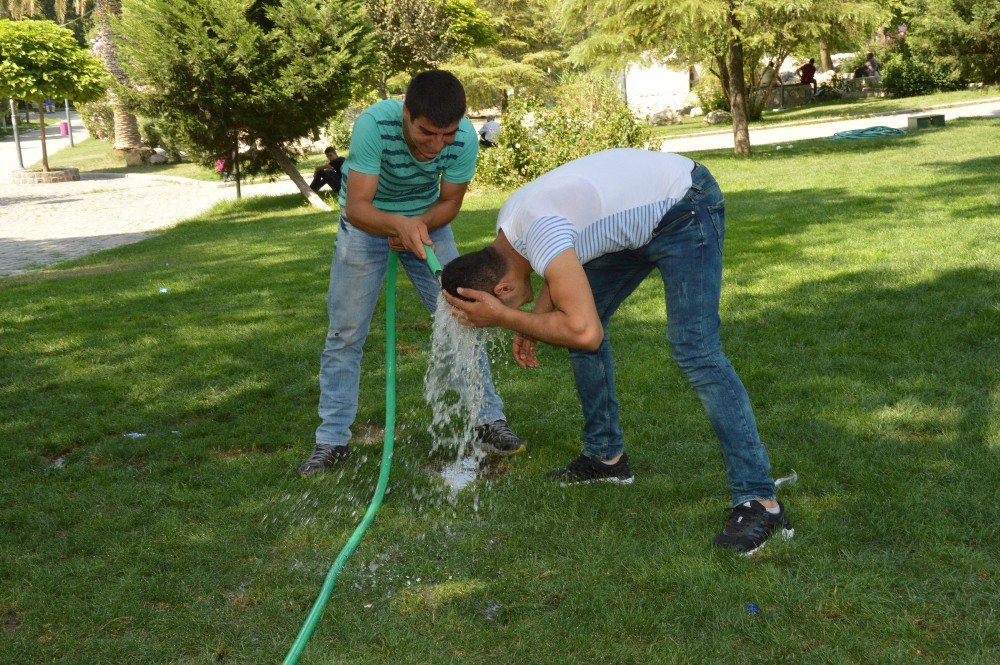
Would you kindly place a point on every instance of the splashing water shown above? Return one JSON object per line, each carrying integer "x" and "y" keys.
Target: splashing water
{"x": 453, "y": 388}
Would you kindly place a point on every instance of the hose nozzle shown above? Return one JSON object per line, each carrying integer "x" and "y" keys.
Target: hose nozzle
{"x": 433, "y": 263}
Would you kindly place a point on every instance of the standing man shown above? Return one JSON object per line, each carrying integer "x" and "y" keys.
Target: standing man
{"x": 807, "y": 73}
{"x": 404, "y": 181}
{"x": 594, "y": 229}
{"x": 330, "y": 173}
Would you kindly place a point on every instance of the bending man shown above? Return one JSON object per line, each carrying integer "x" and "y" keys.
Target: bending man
{"x": 404, "y": 181}
{"x": 594, "y": 229}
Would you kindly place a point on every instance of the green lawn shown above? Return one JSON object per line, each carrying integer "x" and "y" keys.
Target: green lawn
{"x": 22, "y": 127}
{"x": 834, "y": 110}
{"x": 92, "y": 155}
{"x": 860, "y": 307}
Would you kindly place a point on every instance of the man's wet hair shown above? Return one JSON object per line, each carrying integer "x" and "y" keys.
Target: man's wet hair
{"x": 437, "y": 96}
{"x": 480, "y": 270}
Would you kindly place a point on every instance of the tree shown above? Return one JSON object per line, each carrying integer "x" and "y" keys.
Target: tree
{"x": 218, "y": 74}
{"x": 127, "y": 138}
{"x": 527, "y": 54}
{"x": 414, "y": 35}
{"x": 732, "y": 36}
{"x": 39, "y": 60}
{"x": 959, "y": 37}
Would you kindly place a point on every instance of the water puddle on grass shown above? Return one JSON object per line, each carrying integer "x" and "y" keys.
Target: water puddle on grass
{"x": 439, "y": 472}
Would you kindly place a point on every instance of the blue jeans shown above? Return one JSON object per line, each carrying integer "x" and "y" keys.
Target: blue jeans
{"x": 356, "y": 275}
{"x": 686, "y": 248}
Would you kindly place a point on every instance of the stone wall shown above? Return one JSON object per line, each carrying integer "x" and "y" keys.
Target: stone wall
{"x": 39, "y": 177}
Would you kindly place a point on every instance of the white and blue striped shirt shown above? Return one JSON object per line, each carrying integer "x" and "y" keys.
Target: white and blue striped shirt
{"x": 598, "y": 204}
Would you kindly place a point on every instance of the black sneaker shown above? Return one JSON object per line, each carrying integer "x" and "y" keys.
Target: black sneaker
{"x": 749, "y": 527}
{"x": 497, "y": 438}
{"x": 323, "y": 457}
{"x": 589, "y": 470}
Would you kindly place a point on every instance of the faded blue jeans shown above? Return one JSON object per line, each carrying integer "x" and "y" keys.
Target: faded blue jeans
{"x": 359, "y": 265}
{"x": 686, "y": 248}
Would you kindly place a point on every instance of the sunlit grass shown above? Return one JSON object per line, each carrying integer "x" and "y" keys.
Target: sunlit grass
{"x": 859, "y": 306}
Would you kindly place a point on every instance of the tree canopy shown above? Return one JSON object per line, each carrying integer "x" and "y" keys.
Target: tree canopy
{"x": 40, "y": 60}
{"x": 257, "y": 73}
{"x": 961, "y": 37}
{"x": 721, "y": 34}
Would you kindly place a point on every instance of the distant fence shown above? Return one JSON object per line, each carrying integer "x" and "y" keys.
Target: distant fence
{"x": 800, "y": 94}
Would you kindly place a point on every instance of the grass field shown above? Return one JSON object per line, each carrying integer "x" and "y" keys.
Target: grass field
{"x": 92, "y": 155}
{"x": 834, "y": 110}
{"x": 860, "y": 307}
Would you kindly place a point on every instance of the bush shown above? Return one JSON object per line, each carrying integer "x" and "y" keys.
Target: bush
{"x": 906, "y": 77}
{"x": 710, "y": 94}
{"x": 154, "y": 136}
{"x": 536, "y": 138}
{"x": 99, "y": 119}
{"x": 338, "y": 130}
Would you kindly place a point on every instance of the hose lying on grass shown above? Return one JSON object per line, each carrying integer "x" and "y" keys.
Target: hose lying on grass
{"x": 867, "y": 133}
{"x": 387, "y": 449}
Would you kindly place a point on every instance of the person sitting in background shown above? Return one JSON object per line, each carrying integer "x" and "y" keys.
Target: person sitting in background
{"x": 488, "y": 132}
{"x": 50, "y": 106}
{"x": 329, "y": 173}
{"x": 873, "y": 67}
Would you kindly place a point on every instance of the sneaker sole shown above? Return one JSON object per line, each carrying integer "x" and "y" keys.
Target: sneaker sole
{"x": 496, "y": 452}
{"x": 612, "y": 481}
{"x": 784, "y": 533}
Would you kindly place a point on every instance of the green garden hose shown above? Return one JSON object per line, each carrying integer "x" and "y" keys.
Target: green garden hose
{"x": 867, "y": 133}
{"x": 387, "y": 448}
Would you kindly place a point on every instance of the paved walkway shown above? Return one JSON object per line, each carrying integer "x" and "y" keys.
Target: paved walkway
{"x": 31, "y": 145}
{"x": 786, "y": 133}
{"x": 44, "y": 224}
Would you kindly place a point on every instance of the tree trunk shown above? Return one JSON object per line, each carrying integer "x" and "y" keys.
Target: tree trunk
{"x": 41, "y": 126}
{"x": 723, "y": 73}
{"x": 288, "y": 167}
{"x": 738, "y": 88}
{"x": 127, "y": 136}
{"x": 236, "y": 171}
{"x": 825, "y": 61}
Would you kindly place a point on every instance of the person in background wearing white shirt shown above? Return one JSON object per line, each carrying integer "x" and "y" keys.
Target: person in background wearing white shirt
{"x": 489, "y": 131}
{"x": 594, "y": 228}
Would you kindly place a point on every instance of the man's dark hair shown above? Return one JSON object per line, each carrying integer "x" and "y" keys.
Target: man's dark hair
{"x": 480, "y": 270}
{"x": 330, "y": 149}
{"x": 436, "y": 95}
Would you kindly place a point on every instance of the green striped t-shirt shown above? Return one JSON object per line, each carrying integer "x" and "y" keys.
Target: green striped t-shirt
{"x": 405, "y": 186}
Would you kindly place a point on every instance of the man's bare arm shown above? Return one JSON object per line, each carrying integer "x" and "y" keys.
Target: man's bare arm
{"x": 408, "y": 234}
{"x": 446, "y": 208}
{"x": 572, "y": 323}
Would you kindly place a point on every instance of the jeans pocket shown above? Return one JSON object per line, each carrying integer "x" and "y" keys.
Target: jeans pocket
{"x": 675, "y": 220}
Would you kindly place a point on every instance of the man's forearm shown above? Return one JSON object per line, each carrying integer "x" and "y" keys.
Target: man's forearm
{"x": 370, "y": 219}
{"x": 554, "y": 327}
{"x": 441, "y": 213}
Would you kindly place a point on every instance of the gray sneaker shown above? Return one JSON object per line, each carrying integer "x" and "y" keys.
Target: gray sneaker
{"x": 496, "y": 438}
{"x": 323, "y": 457}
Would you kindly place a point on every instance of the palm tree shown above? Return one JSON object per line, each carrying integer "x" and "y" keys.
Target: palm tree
{"x": 127, "y": 138}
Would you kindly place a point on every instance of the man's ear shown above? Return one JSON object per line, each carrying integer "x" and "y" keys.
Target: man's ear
{"x": 503, "y": 288}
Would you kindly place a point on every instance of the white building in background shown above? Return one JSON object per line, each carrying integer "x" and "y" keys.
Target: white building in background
{"x": 651, "y": 88}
